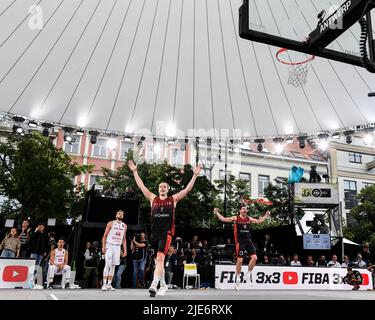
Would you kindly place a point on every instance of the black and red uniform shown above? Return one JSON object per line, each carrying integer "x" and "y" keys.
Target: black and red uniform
{"x": 242, "y": 237}
{"x": 162, "y": 224}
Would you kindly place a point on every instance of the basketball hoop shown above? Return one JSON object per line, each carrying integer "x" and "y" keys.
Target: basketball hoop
{"x": 298, "y": 66}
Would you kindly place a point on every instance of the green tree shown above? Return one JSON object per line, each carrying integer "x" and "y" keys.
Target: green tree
{"x": 37, "y": 177}
{"x": 190, "y": 211}
{"x": 362, "y": 227}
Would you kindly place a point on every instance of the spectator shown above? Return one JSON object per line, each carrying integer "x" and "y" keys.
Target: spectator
{"x": 11, "y": 245}
{"x": 267, "y": 245}
{"x": 371, "y": 268}
{"x": 346, "y": 262}
{"x": 334, "y": 263}
{"x": 195, "y": 244}
{"x": 24, "y": 236}
{"x": 111, "y": 192}
{"x": 39, "y": 244}
{"x": 91, "y": 264}
{"x": 139, "y": 251}
{"x": 324, "y": 229}
{"x": 281, "y": 260}
{"x": 51, "y": 240}
{"x": 193, "y": 257}
{"x": 295, "y": 262}
{"x": 170, "y": 261}
{"x": 310, "y": 262}
{"x": 366, "y": 254}
{"x": 266, "y": 260}
{"x": 359, "y": 263}
{"x": 353, "y": 278}
{"x": 322, "y": 261}
{"x": 207, "y": 272}
{"x": 119, "y": 270}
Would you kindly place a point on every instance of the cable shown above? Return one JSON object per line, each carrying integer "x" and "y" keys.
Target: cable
{"x": 370, "y": 66}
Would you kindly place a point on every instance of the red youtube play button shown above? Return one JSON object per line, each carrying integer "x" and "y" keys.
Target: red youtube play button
{"x": 290, "y": 277}
{"x": 365, "y": 279}
{"x": 15, "y": 273}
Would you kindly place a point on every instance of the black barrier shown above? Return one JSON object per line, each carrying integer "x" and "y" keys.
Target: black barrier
{"x": 102, "y": 209}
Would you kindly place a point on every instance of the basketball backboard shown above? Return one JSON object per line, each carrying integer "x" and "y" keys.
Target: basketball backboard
{"x": 294, "y": 24}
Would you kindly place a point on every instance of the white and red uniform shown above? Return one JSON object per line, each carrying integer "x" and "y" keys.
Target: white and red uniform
{"x": 59, "y": 259}
{"x": 113, "y": 242}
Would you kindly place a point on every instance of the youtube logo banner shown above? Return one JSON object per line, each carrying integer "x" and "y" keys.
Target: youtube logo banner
{"x": 16, "y": 272}
{"x": 288, "y": 278}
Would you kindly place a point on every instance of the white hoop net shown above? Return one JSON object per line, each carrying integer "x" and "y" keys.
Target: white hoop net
{"x": 298, "y": 74}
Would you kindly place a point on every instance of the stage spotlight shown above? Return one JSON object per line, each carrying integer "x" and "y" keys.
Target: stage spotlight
{"x": 68, "y": 137}
{"x": 302, "y": 141}
{"x": 323, "y": 142}
{"x": 336, "y": 135}
{"x": 368, "y": 139}
{"x": 279, "y": 148}
{"x": 246, "y": 143}
{"x": 128, "y": 138}
{"x": 46, "y": 130}
{"x": 259, "y": 143}
{"x": 170, "y": 141}
{"x": 289, "y": 140}
{"x": 79, "y": 132}
{"x": 93, "y": 136}
{"x": 209, "y": 141}
{"x": 17, "y": 129}
{"x": 349, "y": 136}
{"x": 32, "y": 124}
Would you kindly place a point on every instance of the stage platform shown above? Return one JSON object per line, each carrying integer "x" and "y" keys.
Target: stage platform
{"x": 179, "y": 294}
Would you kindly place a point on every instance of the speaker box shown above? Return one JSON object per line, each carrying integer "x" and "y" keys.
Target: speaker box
{"x": 101, "y": 209}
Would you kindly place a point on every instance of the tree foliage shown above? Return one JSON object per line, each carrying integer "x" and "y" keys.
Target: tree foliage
{"x": 362, "y": 227}
{"x": 37, "y": 177}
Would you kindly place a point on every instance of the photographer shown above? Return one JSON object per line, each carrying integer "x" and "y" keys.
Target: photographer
{"x": 138, "y": 247}
{"x": 353, "y": 278}
{"x": 91, "y": 264}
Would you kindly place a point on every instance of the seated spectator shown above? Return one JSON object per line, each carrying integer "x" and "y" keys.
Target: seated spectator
{"x": 281, "y": 260}
{"x": 334, "y": 263}
{"x": 359, "y": 263}
{"x": 11, "y": 245}
{"x": 295, "y": 262}
{"x": 310, "y": 262}
{"x": 322, "y": 261}
{"x": 353, "y": 278}
{"x": 266, "y": 260}
{"x": 58, "y": 264}
{"x": 346, "y": 262}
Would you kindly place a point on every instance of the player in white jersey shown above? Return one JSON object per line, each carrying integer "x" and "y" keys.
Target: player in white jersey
{"x": 58, "y": 264}
{"x": 114, "y": 236}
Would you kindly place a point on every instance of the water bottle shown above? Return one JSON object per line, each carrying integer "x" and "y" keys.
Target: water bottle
{"x": 31, "y": 282}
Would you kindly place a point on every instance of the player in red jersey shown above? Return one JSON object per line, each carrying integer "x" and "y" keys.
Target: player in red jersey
{"x": 162, "y": 223}
{"x": 242, "y": 238}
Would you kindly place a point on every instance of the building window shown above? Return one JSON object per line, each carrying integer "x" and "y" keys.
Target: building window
{"x": 282, "y": 185}
{"x": 355, "y": 157}
{"x": 297, "y": 155}
{"x": 72, "y": 148}
{"x": 245, "y": 176}
{"x": 263, "y": 182}
{"x": 177, "y": 157}
{"x": 100, "y": 148}
{"x": 124, "y": 149}
{"x": 93, "y": 179}
{"x": 350, "y": 191}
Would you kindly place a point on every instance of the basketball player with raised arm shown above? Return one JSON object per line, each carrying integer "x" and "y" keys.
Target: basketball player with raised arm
{"x": 162, "y": 223}
{"x": 114, "y": 236}
{"x": 58, "y": 263}
{"x": 242, "y": 238}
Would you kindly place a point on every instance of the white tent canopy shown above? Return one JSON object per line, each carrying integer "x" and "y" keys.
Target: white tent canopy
{"x": 166, "y": 67}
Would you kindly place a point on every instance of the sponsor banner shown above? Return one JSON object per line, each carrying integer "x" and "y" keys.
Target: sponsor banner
{"x": 316, "y": 193}
{"x": 16, "y": 272}
{"x": 290, "y": 278}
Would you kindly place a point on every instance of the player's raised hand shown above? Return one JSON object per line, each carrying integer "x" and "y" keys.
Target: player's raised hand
{"x": 216, "y": 211}
{"x": 268, "y": 214}
{"x": 132, "y": 166}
